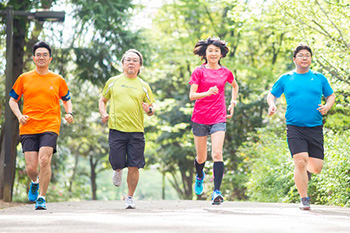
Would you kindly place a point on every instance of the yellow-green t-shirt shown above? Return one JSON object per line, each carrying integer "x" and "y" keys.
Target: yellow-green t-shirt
{"x": 126, "y": 96}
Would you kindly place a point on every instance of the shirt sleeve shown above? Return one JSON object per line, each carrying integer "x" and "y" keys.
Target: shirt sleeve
{"x": 17, "y": 89}
{"x": 277, "y": 89}
{"x": 106, "y": 93}
{"x": 149, "y": 98}
{"x": 326, "y": 88}
{"x": 64, "y": 91}
{"x": 195, "y": 77}
{"x": 230, "y": 76}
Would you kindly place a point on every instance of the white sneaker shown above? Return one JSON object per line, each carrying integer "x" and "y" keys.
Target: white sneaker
{"x": 129, "y": 203}
{"x": 117, "y": 177}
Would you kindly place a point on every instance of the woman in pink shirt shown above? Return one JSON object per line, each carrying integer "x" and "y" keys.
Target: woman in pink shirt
{"x": 209, "y": 113}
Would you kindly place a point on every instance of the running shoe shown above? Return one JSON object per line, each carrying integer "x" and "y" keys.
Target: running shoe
{"x": 117, "y": 177}
{"x": 40, "y": 204}
{"x": 33, "y": 191}
{"x": 217, "y": 198}
{"x": 129, "y": 203}
{"x": 305, "y": 203}
{"x": 198, "y": 186}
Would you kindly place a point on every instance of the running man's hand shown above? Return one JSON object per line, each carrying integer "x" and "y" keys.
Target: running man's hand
{"x": 272, "y": 109}
{"x": 323, "y": 109}
{"x": 213, "y": 91}
{"x": 23, "y": 119}
{"x": 145, "y": 107}
{"x": 69, "y": 118}
{"x": 231, "y": 109}
{"x": 104, "y": 117}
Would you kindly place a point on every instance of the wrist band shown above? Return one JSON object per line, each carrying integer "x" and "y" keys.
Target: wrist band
{"x": 70, "y": 113}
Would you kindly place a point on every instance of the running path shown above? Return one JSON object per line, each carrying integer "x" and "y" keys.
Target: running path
{"x": 174, "y": 216}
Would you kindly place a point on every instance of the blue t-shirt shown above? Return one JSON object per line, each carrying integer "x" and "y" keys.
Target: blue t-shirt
{"x": 303, "y": 93}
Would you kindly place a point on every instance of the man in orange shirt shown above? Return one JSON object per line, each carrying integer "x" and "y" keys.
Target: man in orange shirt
{"x": 41, "y": 118}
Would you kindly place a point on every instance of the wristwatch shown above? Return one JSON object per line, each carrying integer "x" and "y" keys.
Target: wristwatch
{"x": 234, "y": 102}
{"x": 150, "y": 110}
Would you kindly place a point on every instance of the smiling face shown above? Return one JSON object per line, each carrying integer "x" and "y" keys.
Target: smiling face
{"x": 131, "y": 63}
{"x": 42, "y": 57}
{"x": 213, "y": 54}
{"x": 302, "y": 60}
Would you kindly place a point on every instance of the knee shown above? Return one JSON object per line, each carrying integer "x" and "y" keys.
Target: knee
{"x": 300, "y": 164}
{"x": 31, "y": 169}
{"x": 45, "y": 161}
{"x": 217, "y": 155}
{"x": 317, "y": 170}
{"x": 200, "y": 160}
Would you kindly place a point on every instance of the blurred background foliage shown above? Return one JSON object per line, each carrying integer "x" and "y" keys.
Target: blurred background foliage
{"x": 261, "y": 36}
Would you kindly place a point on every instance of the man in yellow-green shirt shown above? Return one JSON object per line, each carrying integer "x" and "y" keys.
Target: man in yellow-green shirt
{"x": 130, "y": 97}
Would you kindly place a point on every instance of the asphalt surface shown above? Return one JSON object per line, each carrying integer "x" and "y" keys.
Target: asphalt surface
{"x": 173, "y": 216}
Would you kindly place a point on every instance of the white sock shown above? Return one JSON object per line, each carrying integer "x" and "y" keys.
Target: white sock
{"x": 36, "y": 181}
{"x": 42, "y": 197}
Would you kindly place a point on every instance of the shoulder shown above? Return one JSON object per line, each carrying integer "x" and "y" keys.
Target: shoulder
{"x": 318, "y": 74}
{"x": 114, "y": 78}
{"x": 199, "y": 69}
{"x": 143, "y": 83}
{"x": 286, "y": 75}
{"x": 27, "y": 74}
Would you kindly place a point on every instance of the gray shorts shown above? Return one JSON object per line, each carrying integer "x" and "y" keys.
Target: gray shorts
{"x": 201, "y": 130}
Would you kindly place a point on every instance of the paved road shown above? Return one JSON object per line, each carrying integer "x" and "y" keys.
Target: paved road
{"x": 174, "y": 216}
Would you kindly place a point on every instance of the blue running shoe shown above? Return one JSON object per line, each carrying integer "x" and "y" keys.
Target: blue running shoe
{"x": 40, "y": 204}
{"x": 198, "y": 186}
{"x": 33, "y": 192}
{"x": 217, "y": 198}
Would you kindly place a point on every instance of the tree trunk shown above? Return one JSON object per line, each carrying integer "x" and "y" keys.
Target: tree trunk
{"x": 93, "y": 178}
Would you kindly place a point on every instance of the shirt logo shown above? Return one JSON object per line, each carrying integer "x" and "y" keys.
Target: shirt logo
{"x": 51, "y": 88}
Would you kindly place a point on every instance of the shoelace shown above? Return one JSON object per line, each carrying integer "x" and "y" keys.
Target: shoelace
{"x": 33, "y": 189}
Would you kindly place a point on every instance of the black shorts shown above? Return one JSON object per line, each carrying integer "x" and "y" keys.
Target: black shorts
{"x": 306, "y": 139}
{"x": 33, "y": 142}
{"x": 126, "y": 149}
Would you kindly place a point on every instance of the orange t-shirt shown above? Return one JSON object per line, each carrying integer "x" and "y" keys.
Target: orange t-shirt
{"x": 41, "y": 94}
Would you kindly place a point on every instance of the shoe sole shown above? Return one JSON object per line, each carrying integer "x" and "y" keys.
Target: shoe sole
{"x": 40, "y": 208}
{"x": 130, "y": 207}
{"x": 218, "y": 200}
{"x": 305, "y": 208}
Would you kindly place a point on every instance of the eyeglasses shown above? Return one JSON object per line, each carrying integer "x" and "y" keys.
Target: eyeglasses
{"x": 132, "y": 60}
{"x": 44, "y": 55}
{"x": 303, "y": 55}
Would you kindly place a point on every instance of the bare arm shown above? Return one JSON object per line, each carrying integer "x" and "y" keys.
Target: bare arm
{"x": 68, "y": 106}
{"x": 235, "y": 89}
{"x": 330, "y": 100}
{"x": 195, "y": 96}
{"x": 102, "y": 106}
{"x": 271, "y": 99}
{"x": 22, "y": 119}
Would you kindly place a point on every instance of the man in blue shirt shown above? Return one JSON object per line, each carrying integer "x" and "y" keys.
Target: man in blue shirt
{"x": 303, "y": 89}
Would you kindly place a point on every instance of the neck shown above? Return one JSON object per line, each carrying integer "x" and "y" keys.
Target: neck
{"x": 302, "y": 70}
{"x": 130, "y": 75}
{"x": 213, "y": 66}
{"x": 42, "y": 70}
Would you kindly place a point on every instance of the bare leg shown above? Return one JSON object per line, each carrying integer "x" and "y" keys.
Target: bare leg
{"x": 45, "y": 155}
{"x": 132, "y": 179}
{"x": 217, "y": 141}
{"x": 201, "y": 148}
{"x": 300, "y": 174}
{"x": 31, "y": 158}
{"x": 314, "y": 165}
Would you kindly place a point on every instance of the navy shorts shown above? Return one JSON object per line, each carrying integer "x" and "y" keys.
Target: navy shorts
{"x": 306, "y": 139}
{"x": 33, "y": 142}
{"x": 126, "y": 149}
{"x": 200, "y": 130}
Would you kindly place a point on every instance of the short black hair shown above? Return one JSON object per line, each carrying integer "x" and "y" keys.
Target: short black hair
{"x": 301, "y": 47}
{"x": 41, "y": 44}
{"x": 202, "y": 45}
